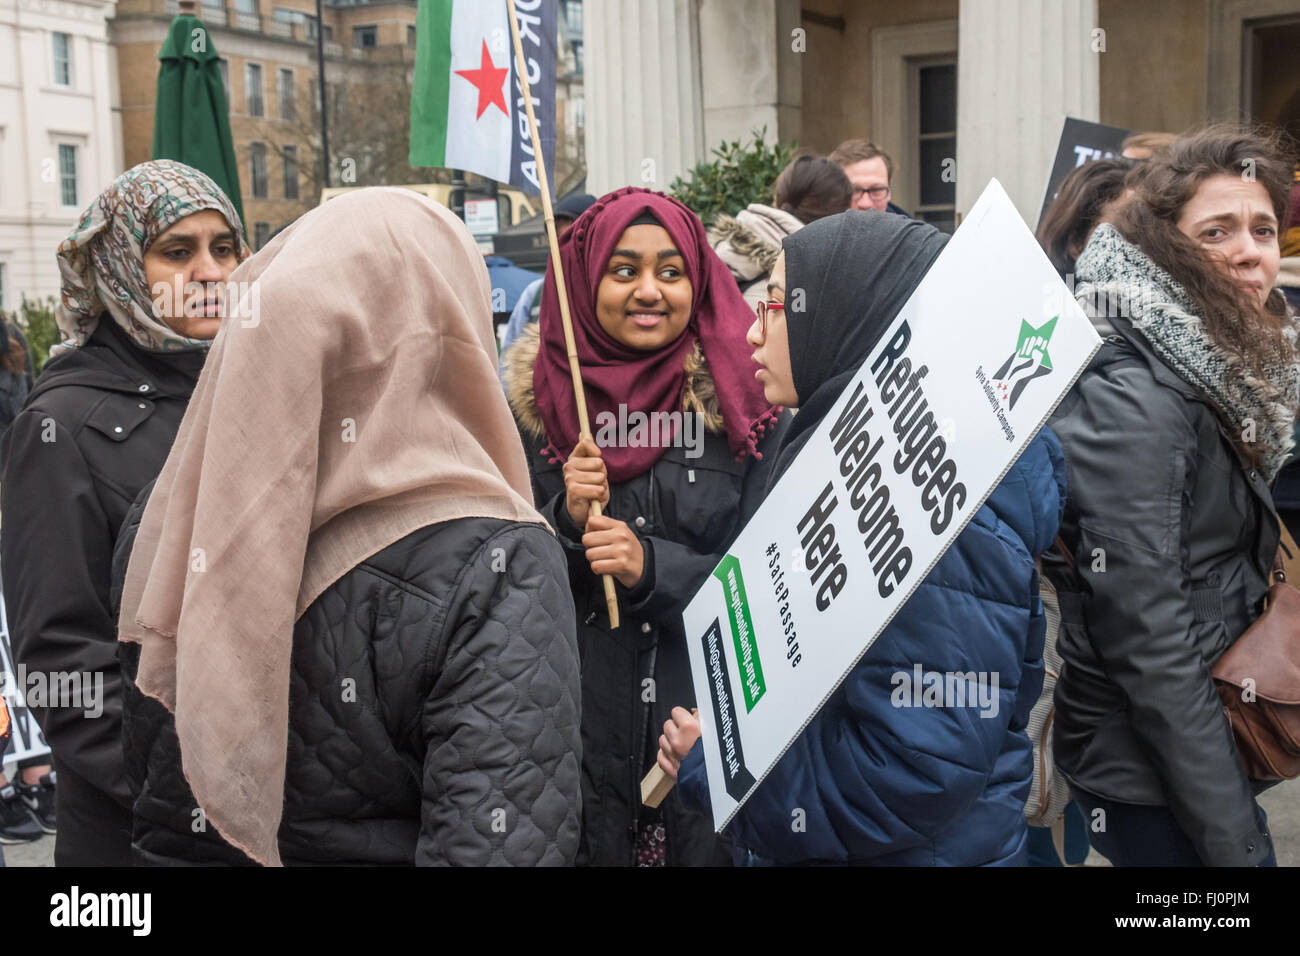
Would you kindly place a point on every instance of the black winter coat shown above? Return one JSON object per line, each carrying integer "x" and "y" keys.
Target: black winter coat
{"x": 686, "y": 511}
{"x": 1172, "y": 535}
{"x": 94, "y": 431}
{"x": 456, "y": 742}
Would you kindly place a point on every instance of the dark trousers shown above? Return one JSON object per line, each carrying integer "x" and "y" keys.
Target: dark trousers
{"x": 94, "y": 829}
{"x": 1138, "y": 835}
{"x": 1042, "y": 852}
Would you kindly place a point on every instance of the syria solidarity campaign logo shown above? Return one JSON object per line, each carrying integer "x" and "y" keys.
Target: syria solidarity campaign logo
{"x": 1028, "y": 362}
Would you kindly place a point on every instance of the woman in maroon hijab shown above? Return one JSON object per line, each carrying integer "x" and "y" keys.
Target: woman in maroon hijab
{"x": 680, "y": 427}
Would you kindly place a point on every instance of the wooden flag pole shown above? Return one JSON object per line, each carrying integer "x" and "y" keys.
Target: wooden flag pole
{"x": 584, "y": 426}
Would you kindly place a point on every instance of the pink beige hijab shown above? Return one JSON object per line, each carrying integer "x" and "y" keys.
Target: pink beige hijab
{"x": 358, "y": 404}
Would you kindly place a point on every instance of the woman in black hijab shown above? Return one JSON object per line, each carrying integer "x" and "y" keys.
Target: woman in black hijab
{"x": 849, "y": 278}
{"x": 878, "y": 783}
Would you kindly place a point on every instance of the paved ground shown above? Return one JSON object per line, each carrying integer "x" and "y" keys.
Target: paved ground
{"x": 40, "y": 853}
{"x": 1282, "y": 804}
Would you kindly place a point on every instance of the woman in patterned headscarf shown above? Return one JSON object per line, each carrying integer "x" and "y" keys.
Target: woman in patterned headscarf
{"x": 144, "y": 274}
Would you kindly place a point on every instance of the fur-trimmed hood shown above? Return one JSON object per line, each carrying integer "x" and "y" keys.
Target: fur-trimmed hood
{"x": 699, "y": 394}
{"x": 750, "y": 242}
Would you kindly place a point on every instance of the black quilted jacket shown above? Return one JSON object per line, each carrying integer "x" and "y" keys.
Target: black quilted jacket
{"x": 461, "y": 746}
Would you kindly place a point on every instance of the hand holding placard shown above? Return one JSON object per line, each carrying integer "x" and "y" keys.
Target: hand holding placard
{"x": 886, "y": 481}
{"x": 679, "y": 736}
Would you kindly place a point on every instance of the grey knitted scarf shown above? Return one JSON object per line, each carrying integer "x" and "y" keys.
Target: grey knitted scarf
{"x": 1113, "y": 272}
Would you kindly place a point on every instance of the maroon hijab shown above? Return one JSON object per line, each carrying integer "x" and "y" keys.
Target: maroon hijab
{"x": 614, "y": 373}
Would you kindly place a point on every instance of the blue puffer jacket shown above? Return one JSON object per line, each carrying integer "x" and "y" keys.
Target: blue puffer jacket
{"x": 925, "y": 786}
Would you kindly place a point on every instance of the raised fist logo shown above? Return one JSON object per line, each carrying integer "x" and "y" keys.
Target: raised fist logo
{"x": 1028, "y": 362}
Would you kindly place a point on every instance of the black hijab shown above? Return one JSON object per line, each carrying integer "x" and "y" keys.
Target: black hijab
{"x": 854, "y": 270}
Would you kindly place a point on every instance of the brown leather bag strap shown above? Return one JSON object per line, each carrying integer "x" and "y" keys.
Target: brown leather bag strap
{"x": 1064, "y": 552}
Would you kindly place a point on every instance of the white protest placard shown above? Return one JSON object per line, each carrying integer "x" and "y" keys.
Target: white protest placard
{"x": 973, "y": 365}
{"x": 27, "y": 739}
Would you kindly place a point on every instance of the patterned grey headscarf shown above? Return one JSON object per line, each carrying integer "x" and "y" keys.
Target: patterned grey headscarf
{"x": 102, "y": 259}
{"x": 1115, "y": 271}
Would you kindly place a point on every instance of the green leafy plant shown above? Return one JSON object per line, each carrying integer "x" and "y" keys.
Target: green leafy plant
{"x": 36, "y": 320}
{"x": 740, "y": 175}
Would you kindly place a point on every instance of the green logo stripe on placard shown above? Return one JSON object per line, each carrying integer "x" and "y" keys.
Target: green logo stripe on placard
{"x": 742, "y": 630}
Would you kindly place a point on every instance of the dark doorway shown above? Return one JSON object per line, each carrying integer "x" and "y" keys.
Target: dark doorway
{"x": 1273, "y": 72}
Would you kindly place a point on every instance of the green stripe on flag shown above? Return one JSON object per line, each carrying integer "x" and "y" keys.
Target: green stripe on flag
{"x": 431, "y": 88}
{"x": 742, "y": 630}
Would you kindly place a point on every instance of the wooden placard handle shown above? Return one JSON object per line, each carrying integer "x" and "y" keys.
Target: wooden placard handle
{"x": 656, "y": 784}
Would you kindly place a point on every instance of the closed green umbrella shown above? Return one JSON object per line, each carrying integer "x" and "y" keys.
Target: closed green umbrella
{"x": 191, "y": 120}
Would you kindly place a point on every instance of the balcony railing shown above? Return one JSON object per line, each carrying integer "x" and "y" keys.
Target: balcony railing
{"x": 207, "y": 8}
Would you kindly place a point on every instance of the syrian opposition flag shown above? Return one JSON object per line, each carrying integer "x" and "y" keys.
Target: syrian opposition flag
{"x": 467, "y": 107}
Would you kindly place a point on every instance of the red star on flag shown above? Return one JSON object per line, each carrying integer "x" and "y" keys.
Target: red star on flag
{"x": 490, "y": 82}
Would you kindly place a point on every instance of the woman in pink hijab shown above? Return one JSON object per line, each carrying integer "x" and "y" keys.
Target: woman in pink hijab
{"x": 680, "y": 427}
{"x": 346, "y": 632}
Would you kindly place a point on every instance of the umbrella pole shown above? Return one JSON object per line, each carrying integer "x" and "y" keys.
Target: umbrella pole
{"x": 320, "y": 83}
{"x": 584, "y": 426}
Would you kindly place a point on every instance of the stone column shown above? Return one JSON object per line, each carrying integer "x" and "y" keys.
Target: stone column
{"x": 1022, "y": 67}
{"x": 752, "y": 69}
{"x": 644, "y": 114}
{"x": 107, "y": 138}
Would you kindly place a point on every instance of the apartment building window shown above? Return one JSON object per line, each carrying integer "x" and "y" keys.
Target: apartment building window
{"x": 288, "y": 110}
{"x": 573, "y": 16}
{"x": 62, "y": 59}
{"x": 365, "y": 37}
{"x": 936, "y": 87}
{"x": 261, "y": 232}
{"x": 215, "y": 4}
{"x": 290, "y": 172}
{"x": 313, "y": 96}
{"x": 246, "y": 6}
{"x": 253, "y": 88}
{"x": 68, "y": 174}
{"x": 223, "y": 67}
{"x": 2, "y": 285}
{"x": 410, "y": 36}
{"x": 257, "y": 168}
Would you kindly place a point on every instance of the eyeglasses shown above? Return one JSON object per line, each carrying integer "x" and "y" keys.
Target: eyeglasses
{"x": 765, "y": 306}
{"x": 875, "y": 192}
